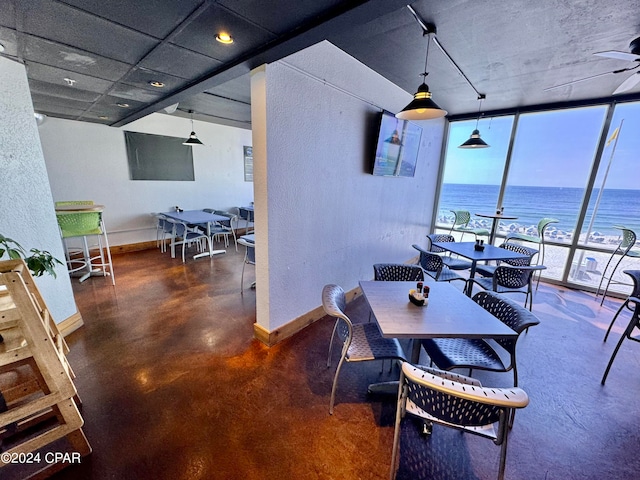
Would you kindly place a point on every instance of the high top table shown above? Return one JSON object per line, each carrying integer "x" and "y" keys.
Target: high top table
{"x": 197, "y": 217}
{"x": 467, "y": 250}
{"x": 494, "y": 225}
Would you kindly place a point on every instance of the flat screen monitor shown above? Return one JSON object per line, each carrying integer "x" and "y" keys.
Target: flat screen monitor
{"x": 398, "y": 144}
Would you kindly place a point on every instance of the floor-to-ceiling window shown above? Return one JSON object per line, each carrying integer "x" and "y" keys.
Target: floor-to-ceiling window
{"x": 562, "y": 164}
{"x": 471, "y": 179}
{"x": 549, "y": 169}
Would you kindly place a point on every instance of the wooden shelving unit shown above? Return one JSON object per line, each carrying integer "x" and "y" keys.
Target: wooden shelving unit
{"x": 38, "y": 400}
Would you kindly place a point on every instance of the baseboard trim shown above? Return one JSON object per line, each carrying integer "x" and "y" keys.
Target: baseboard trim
{"x": 70, "y": 324}
{"x": 270, "y": 338}
{"x": 133, "y": 247}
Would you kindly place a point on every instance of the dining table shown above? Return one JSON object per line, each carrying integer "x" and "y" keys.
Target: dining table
{"x": 197, "y": 217}
{"x": 470, "y": 251}
{"x": 449, "y": 313}
{"x": 495, "y": 217}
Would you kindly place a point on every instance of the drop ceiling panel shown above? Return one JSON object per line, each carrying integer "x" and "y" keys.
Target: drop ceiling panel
{"x": 200, "y": 36}
{"x": 219, "y": 107}
{"x": 62, "y": 91}
{"x": 128, "y": 92}
{"x": 236, "y": 89}
{"x": 70, "y": 26}
{"x": 180, "y": 62}
{"x": 73, "y": 59}
{"x": 270, "y": 13}
{"x": 136, "y": 15}
{"x": 141, "y": 77}
{"x": 57, "y": 102}
{"x": 53, "y": 75}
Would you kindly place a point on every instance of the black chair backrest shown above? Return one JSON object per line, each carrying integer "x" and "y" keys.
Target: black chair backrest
{"x": 397, "y": 272}
{"x": 439, "y": 237}
{"x": 519, "y": 262}
{"x": 516, "y": 317}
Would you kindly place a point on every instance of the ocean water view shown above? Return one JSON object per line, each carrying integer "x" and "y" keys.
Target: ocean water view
{"x": 530, "y": 204}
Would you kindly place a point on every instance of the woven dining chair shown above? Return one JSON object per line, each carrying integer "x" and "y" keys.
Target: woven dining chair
{"x": 488, "y": 270}
{"x": 507, "y": 279}
{"x": 539, "y": 239}
{"x": 449, "y": 261}
{"x": 361, "y": 342}
{"x": 434, "y": 266}
{"x": 458, "y": 402}
{"x": 450, "y": 353}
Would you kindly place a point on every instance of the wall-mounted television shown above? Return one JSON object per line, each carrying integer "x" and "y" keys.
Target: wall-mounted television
{"x": 397, "y": 147}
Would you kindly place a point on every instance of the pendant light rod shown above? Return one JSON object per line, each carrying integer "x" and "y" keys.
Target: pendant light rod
{"x": 430, "y": 29}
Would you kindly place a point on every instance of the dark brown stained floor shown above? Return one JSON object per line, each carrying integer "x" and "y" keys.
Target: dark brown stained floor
{"x": 174, "y": 387}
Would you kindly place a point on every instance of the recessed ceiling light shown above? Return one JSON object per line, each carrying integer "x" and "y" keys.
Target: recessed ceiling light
{"x": 123, "y": 105}
{"x": 156, "y": 84}
{"x": 225, "y": 38}
{"x": 103, "y": 117}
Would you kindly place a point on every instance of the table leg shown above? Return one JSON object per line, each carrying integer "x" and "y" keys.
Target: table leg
{"x": 492, "y": 235}
{"x": 472, "y": 274}
{"x": 211, "y": 251}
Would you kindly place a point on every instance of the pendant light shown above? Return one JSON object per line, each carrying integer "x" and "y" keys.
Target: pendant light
{"x": 193, "y": 138}
{"x": 474, "y": 140}
{"x": 422, "y": 107}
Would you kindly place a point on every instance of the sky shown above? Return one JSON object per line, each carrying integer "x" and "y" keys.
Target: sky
{"x": 551, "y": 149}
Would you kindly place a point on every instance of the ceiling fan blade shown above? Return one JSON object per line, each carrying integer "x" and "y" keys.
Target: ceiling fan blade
{"x": 578, "y": 81}
{"x": 630, "y": 57}
{"x": 628, "y": 84}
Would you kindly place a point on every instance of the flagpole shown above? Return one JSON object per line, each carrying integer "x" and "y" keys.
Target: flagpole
{"x": 597, "y": 204}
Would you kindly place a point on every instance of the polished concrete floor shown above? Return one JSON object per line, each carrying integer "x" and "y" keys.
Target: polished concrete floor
{"x": 175, "y": 387}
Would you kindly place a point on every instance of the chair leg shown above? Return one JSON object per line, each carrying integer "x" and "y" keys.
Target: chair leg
{"x": 335, "y": 383}
{"x": 333, "y": 334}
{"x": 242, "y": 278}
{"x": 503, "y": 456}
{"x": 604, "y": 275}
{"x": 615, "y": 351}
{"x": 626, "y": 302}
{"x": 396, "y": 432}
{"x": 610, "y": 279}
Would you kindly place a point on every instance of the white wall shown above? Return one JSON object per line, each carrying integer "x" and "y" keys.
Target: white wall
{"x": 321, "y": 217}
{"x": 88, "y": 161}
{"x": 26, "y": 207}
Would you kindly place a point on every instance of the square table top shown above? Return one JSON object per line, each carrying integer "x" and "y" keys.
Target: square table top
{"x": 195, "y": 216}
{"x": 449, "y": 313}
{"x": 467, "y": 250}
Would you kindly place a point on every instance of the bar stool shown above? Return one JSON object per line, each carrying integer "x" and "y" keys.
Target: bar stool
{"x": 82, "y": 225}
{"x": 624, "y": 249}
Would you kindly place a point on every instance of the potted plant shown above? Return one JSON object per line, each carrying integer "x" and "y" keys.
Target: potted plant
{"x": 38, "y": 261}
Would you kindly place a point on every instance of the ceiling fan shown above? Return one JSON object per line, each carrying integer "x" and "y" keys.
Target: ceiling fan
{"x": 630, "y": 82}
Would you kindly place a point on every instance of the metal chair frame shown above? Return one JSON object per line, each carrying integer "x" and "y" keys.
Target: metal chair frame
{"x": 360, "y": 342}
{"x": 635, "y": 293}
{"x": 624, "y": 249}
{"x": 249, "y": 259}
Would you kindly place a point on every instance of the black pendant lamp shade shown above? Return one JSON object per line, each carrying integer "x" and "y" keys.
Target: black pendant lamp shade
{"x": 422, "y": 107}
{"x": 193, "y": 138}
{"x": 474, "y": 140}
